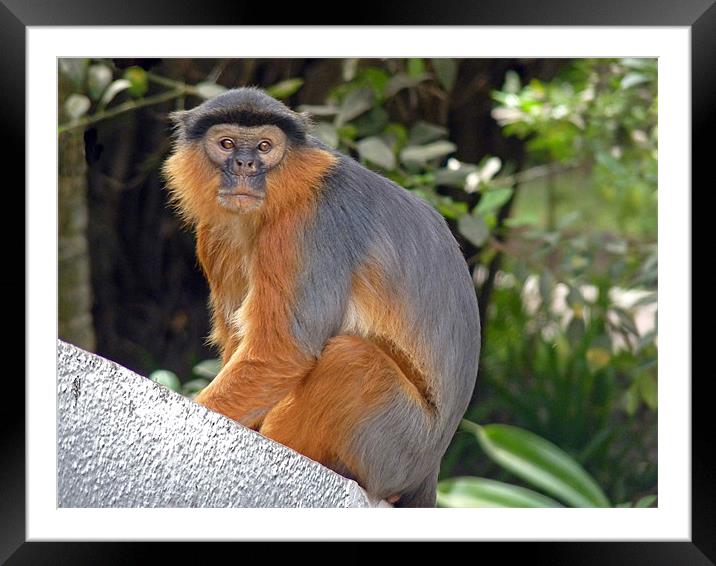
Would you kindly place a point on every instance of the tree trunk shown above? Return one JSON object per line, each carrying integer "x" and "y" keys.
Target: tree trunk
{"x": 75, "y": 295}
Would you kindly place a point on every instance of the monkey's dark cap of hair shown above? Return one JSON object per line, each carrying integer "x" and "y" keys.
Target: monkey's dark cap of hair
{"x": 246, "y": 107}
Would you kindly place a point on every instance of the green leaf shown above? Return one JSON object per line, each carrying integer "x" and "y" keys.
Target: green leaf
{"x": 354, "y": 104}
{"x": 98, "y": 78}
{"x": 113, "y": 90}
{"x": 421, "y": 154}
{"x": 349, "y": 68}
{"x": 482, "y": 492}
{"x": 400, "y": 81}
{"x": 193, "y": 387}
{"x": 455, "y": 173}
{"x": 371, "y": 123}
{"x": 286, "y": 88}
{"x": 416, "y": 67}
{"x": 474, "y": 229}
{"x": 424, "y": 132}
{"x": 138, "y": 81}
{"x": 648, "y": 390}
{"x": 166, "y": 378}
{"x": 75, "y": 69}
{"x": 597, "y": 358}
{"x": 327, "y": 133}
{"x": 207, "y": 368}
{"x": 489, "y": 167}
{"x": 209, "y": 90}
{"x": 319, "y": 110}
{"x": 446, "y": 72}
{"x": 633, "y": 79}
{"x": 375, "y": 150}
{"x": 513, "y": 84}
{"x": 77, "y": 106}
{"x": 540, "y": 463}
{"x": 492, "y": 200}
{"x": 631, "y": 399}
{"x": 449, "y": 208}
{"x": 646, "y": 501}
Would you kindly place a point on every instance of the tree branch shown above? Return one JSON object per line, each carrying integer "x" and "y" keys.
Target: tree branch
{"x": 126, "y": 107}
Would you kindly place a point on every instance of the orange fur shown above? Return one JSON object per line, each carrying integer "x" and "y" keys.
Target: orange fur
{"x": 251, "y": 261}
{"x": 320, "y": 415}
{"x": 377, "y": 312}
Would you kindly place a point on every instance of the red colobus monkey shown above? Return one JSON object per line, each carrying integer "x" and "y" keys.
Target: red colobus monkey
{"x": 343, "y": 308}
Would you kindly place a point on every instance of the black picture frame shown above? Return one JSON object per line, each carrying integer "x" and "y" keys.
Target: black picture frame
{"x": 17, "y": 15}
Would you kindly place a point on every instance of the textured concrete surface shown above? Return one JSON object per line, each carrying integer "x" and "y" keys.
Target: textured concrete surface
{"x": 125, "y": 441}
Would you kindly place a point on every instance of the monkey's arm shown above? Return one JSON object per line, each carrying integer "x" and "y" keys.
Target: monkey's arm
{"x": 282, "y": 338}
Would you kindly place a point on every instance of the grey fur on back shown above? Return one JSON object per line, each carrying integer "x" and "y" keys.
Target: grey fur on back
{"x": 364, "y": 216}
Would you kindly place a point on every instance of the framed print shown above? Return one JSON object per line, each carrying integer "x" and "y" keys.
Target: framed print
{"x": 664, "y": 519}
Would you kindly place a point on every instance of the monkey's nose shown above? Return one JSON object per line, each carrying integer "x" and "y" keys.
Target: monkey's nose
{"x": 245, "y": 165}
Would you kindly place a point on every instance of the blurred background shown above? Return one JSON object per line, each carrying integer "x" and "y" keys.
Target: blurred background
{"x": 546, "y": 172}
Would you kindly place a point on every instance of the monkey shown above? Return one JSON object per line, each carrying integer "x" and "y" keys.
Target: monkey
{"x": 342, "y": 307}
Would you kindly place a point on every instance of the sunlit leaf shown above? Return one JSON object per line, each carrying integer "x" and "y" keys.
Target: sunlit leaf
{"x": 98, "y": 78}
{"x": 633, "y": 79}
{"x": 207, "y": 368}
{"x": 400, "y": 81}
{"x": 648, "y": 390}
{"x": 421, "y": 154}
{"x": 209, "y": 90}
{"x": 597, "y": 358}
{"x": 113, "y": 90}
{"x": 494, "y": 199}
{"x": 193, "y": 387}
{"x": 349, "y": 68}
{"x": 76, "y": 106}
{"x": 646, "y": 501}
{"x": 327, "y": 133}
{"x": 75, "y": 69}
{"x": 166, "y": 378}
{"x": 416, "y": 67}
{"x": 138, "y": 81}
{"x": 319, "y": 110}
{"x": 513, "y": 84}
{"x": 445, "y": 71}
{"x": 540, "y": 463}
{"x": 482, "y": 492}
{"x": 286, "y": 88}
{"x": 631, "y": 399}
{"x": 354, "y": 104}
{"x": 375, "y": 150}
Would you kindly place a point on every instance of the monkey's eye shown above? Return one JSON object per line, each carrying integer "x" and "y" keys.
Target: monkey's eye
{"x": 264, "y": 146}
{"x": 226, "y": 143}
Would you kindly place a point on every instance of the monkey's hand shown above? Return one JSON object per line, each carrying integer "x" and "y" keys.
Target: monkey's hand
{"x": 246, "y": 389}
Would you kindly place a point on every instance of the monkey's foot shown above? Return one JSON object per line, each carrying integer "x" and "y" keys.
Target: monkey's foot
{"x": 393, "y": 499}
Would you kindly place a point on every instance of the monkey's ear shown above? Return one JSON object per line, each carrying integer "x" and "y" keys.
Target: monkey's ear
{"x": 179, "y": 121}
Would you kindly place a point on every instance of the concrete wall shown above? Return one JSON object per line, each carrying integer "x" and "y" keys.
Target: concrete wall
{"x": 125, "y": 441}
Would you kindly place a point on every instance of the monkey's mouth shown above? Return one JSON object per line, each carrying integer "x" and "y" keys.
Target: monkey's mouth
{"x": 239, "y": 198}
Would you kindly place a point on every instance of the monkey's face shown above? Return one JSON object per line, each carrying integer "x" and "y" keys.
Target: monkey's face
{"x": 244, "y": 156}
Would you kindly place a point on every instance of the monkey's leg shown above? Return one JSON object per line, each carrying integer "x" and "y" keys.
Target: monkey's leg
{"x": 357, "y": 413}
{"x": 247, "y": 388}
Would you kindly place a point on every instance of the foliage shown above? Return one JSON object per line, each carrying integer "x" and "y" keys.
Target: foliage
{"x": 533, "y": 460}
{"x": 570, "y": 351}
{"x": 99, "y": 87}
{"x": 600, "y": 115}
{"x": 202, "y": 374}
